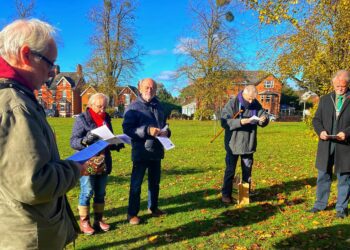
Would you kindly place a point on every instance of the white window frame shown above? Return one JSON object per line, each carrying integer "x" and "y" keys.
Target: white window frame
{"x": 269, "y": 84}
{"x": 127, "y": 99}
{"x": 62, "y": 107}
{"x": 268, "y": 98}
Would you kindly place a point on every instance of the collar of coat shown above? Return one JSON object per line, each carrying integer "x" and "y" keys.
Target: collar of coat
{"x": 153, "y": 102}
{"x": 346, "y": 100}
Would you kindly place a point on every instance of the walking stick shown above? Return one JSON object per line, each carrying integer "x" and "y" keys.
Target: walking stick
{"x": 222, "y": 130}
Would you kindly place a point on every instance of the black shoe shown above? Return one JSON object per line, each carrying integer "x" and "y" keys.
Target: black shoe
{"x": 314, "y": 210}
{"x": 156, "y": 212}
{"x": 341, "y": 214}
{"x": 226, "y": 199}
{"x": 253, "y": 193}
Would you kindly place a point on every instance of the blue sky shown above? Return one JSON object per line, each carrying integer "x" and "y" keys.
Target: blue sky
{"x": 159, "y": 28}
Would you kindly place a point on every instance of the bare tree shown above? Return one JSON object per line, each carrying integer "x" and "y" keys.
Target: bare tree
{"x": 210, "y": 56}
{"x": 24, "y": 10}
{"x": 116, "y": 55}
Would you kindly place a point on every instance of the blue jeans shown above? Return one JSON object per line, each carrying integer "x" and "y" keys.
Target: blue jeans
{"x": 231, "y": 163}
{"x": 138, "y": 172}
{"x": 323, "y": 189}
{"x": 93, "y": 185}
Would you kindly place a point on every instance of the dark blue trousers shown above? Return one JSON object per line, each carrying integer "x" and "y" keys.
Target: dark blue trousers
{"x": 137, "y": 174}
{"x": 231, "y": 163}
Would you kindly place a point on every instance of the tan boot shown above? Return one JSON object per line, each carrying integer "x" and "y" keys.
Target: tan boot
{"x": 85, "y": 226}
{"x": 99, "y": 224}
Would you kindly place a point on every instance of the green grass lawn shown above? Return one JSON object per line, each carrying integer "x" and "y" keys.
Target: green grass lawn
{"x": 283, "y": 175}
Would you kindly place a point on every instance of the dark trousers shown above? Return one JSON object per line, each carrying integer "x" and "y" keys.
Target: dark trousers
{"x": 138, "y": 172}
{"x": 231, "y": 163}
{"x": 323, "y": 189}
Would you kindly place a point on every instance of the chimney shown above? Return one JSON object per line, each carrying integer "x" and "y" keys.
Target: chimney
{"x": 57, "y": 70}
{"x": 79, "y": 70}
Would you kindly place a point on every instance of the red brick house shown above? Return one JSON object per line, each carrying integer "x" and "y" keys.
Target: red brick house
{"x": 68, "y": 94}
{"x": 85, "y": 96}
{"x": 64, "y": 94}
{"x": 125, "y": 96}
{"x": 268, "y": 86}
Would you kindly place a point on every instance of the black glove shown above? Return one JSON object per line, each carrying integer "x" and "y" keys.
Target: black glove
{"x": 89, "y": 139}
{"x": 117, "y": 147}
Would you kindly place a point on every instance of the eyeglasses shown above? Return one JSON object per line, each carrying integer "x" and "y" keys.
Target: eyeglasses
{"x": 45, "y": 59}
{"x": 100, "y": 106}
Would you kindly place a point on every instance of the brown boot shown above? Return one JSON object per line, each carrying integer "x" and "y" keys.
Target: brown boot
{"x": 85, "y": 226}
{"x": 99, "y": 224}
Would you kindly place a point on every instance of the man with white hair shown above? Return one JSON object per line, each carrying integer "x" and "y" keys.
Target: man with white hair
{"x": 34, "y": 211}
{"x": 241, "y": 136}
{"x": 332, "y": 125}
{"x": 144, "y": 120}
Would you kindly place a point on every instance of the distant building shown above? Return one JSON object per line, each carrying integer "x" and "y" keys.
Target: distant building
{"x": 268, "y": 86}
{"x": 63, "y": 94}
{"x": 189, "y": 108}
{"x": 85, "y": 96}
{"x": 125, "y": 96}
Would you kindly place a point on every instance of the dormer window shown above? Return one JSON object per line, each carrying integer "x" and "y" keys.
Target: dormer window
{"x": 268, "y": 84}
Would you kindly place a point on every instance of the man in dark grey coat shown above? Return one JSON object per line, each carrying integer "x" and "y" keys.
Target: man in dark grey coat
{"x": 332, "y": 124}
{"x": 240, "y": 118}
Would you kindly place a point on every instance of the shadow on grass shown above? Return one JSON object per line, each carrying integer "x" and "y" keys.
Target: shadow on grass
{"x": 191, "y": 201}
{"x": 200, "y": 228}
{"x": 333, "y": 237}
{"x": 181, "y": 171}
{"x": 118, "y": 180}
{"x": 185, "y": 202}
{"x": 271, "y": 193}
{"x": 112, "y": 179}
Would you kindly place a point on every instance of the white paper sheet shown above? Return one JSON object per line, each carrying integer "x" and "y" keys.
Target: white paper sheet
{"x": 109, "y": 137}
{"x": 166, "y": 142}
{"x": 103, "y": 132}
{"x": 254, "y": 119}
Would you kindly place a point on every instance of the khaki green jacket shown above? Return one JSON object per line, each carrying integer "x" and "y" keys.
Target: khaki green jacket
{"x": 33, "y": 179}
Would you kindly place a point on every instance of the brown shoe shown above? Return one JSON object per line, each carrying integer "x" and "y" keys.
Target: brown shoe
{"x": 156, "y": 213}
{"x": 85, "y": 226}
{"x": 226, "y": 199}
{"x": 134, "y": 220}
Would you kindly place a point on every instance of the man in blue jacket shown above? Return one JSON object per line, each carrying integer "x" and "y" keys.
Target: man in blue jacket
{"x": 144, "y": 120}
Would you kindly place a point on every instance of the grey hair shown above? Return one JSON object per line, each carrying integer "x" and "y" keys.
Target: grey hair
{"x": 342, "y": 74}
{"x": 33, "y": 32}
{"x": 95, "y": 96}
{"x": 250, "y": 90}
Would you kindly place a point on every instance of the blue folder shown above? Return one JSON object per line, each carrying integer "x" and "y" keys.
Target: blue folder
{"x": 88, "y": 152}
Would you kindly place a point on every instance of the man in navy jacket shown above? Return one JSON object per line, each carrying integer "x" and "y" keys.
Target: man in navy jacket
{"x": 144, "y": 120}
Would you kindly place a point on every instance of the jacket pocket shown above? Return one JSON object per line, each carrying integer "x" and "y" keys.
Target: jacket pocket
{"x": 149, "y": 145}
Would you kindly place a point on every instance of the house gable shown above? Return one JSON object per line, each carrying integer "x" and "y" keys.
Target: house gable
{"x": 85, "y": 96}
{"x": 269, "y": 89}
{"x": 65, "y": 89}
{"x": 126, "y": 96}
